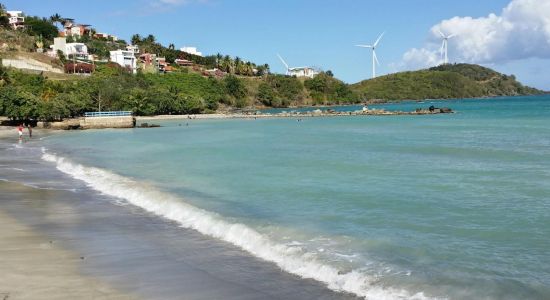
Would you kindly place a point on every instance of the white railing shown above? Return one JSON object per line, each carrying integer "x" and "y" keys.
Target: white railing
{"x": 108, "y": 114}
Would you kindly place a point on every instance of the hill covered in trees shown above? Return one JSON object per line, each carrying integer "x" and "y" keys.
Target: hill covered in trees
{"x": 442, "y": 82}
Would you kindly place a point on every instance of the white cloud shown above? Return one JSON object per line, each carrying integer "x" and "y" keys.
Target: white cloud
{"x": 521, "y": 31}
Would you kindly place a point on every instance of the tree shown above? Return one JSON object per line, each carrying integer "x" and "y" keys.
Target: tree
{"x": 4, "y": 76}
{"x": 61, "y": 57}
{"x": 19, "y": 104}
{"x": 150, "y": 39}
{"x": 171, "y": 47}
{"x": 4, "y": 20}
{"x": 234, "y": 87}
{"x": 37, "y": 26}
{"x": 136, "y": 39}
{"x": 329, "y": 73}
{"x": 64, "y": 21}
{"x": 218, "y": 60}
{"x": 55, "y": 19}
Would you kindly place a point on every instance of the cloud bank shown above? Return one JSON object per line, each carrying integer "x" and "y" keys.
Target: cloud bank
{"x": 521, "y": 31}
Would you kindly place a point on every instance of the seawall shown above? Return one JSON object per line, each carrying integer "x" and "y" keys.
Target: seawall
{"x": 91, "y": 123}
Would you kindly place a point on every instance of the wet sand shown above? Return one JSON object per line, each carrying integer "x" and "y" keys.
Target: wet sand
{"x": 34, "y": 267}
{"x": 102, "y": 248}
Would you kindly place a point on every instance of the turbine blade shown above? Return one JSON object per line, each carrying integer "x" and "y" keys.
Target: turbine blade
{"x": 378, "y": 40}
{"x": 441, "y": 33}
{"x": 364, "y": 46}
{"x": 442, "y": 48}
{"x": 283, "y": 61}
{"x": 452, "y": 35}
{"x": 375, "y": 57}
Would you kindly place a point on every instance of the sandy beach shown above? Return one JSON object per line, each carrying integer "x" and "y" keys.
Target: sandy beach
{"x": 34, "y": 267}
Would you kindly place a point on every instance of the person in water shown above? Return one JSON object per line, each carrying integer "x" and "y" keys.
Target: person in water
{"x": 20, "y": 131}
{"x": 29, "y": 127}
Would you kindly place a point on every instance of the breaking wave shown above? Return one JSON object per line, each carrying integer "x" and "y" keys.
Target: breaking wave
{"x": 291, "y": 259}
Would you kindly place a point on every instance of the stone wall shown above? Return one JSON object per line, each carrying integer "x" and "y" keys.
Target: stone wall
{"x": 107, "y": 122}
{"x": 91, "y": 123}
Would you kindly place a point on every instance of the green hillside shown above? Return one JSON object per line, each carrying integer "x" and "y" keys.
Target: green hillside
{"x": 442, "y": 82}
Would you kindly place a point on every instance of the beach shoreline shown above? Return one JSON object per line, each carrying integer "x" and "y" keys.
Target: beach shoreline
{"x": 107, "y": 250}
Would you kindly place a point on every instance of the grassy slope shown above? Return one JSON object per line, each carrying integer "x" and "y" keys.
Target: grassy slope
{"x": 449, "y": 81}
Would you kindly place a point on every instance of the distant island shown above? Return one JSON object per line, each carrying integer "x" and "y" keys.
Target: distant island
{"x": 41, "y": 84}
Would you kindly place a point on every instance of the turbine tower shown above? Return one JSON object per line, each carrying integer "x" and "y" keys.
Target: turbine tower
{"x": 374, "y": 58}
{"x": 444, "y": 46}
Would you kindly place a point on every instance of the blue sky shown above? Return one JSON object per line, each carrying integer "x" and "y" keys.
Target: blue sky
{"x": 321, "y": 33}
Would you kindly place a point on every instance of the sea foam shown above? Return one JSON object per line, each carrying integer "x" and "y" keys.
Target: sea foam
{"x": 288, "y": 258}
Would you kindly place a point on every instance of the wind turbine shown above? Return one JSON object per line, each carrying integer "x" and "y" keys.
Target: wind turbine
{"x": 288, "y": 69}
{"x": 374, "y": 58}
{"x": 444, "y": 46}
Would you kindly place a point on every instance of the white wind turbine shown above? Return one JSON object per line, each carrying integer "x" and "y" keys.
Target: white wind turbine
{"x": 374, "y": 58}
{"x": 289, "y": 70}
{"x": 444, "y": 46}
{"x": 284, "y": 63}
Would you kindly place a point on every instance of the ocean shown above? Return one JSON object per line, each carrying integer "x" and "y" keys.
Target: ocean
{"x": 450, "y": 206}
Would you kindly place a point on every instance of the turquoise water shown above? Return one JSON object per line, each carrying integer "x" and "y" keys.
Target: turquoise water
{"x": 446, "y": 206}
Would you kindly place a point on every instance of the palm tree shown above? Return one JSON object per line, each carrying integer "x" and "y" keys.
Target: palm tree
{"x": 227, "y": 64}
{"x": 64, "y": 21}
{"x": 136, "y": 39}
{"x": 150, "y": 39}
{"x": 218, "y": 59}
{"x": 237, "y": 67}
{"x": 55, "y": 19}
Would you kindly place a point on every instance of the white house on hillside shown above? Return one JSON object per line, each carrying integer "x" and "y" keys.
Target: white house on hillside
{"x": 191, "y": 50}
{"x": 78, "y": 50}
{"x": 133, "y": 48}
{"x": 125, "y": 59}
{"x": 303, "y": 72}
{"x": 16, "y": 19}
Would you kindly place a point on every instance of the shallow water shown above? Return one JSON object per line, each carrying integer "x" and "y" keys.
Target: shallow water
{"x": 449, "y": 206}
{"x": 125, "y": 247}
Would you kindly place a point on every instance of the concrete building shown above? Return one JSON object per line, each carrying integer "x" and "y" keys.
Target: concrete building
{"x": 133, "y": 48}
{"x": 101, "y": 35}
{"x": 16, "y": 19}
{"x": 191, "y": 50}
{"x": 124, "y": 58}
{"x": 78, "y": 50}
{"x": 183, "y": 62}
{"x": 150, "y": 63}
{"x": 303, "y": 72}
{"x": 75, "y": 30}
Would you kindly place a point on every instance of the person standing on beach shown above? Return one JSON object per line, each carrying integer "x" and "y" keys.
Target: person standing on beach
{"x": 20, "y": 131}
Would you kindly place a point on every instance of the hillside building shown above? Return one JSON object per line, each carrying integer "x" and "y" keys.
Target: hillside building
{"x": 76, "y": 30}
{"x": 16, "y": 19}
{"x": 125, "y": 59}
{"x": 303, "y": 72}
{"x": 76, "y": 50}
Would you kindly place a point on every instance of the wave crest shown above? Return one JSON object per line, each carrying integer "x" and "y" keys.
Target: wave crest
{"x": 288, "y": 258}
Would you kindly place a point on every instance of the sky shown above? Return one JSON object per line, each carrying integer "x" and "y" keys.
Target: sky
{"x": 510, "y": 36}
